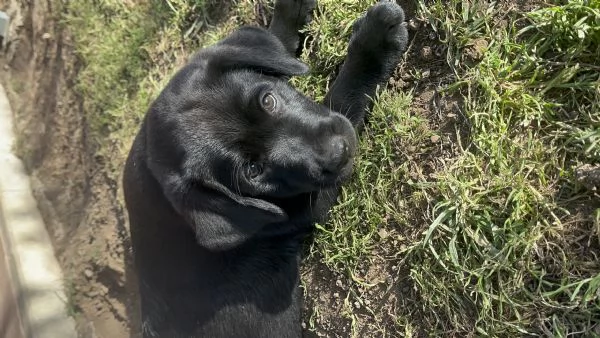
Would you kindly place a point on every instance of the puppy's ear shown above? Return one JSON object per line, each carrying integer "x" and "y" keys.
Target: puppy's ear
{"x": 256, "y": 49}
{"x": 223, "y": 220}
{"x": 261, "y": 209}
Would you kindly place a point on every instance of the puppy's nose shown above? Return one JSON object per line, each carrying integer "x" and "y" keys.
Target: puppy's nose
{"x": 338, "y": 154}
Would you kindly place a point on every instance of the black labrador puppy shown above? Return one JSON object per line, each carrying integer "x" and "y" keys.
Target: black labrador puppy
{"x": 232, "y": 167}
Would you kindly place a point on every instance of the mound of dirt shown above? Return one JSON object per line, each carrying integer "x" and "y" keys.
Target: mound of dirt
{"x": 77, "y": 200}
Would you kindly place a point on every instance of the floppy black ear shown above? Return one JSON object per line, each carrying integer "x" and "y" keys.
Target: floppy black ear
{"x": 220, "y": 219}
{"x": 256, "y": 49}
{"x": 223, "y": 220}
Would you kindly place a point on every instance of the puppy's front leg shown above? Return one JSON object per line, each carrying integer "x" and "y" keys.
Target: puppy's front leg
{"x": 288, "y": 18}
{"x": 378, "y": 41}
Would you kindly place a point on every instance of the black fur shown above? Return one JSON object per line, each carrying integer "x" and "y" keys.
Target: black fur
{"x": 222, "y": 186}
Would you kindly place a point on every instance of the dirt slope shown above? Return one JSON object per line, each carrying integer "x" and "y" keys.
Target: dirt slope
{"x": 77, "y": 201}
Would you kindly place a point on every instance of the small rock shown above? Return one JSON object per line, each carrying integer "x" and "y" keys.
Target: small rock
{"x": 357, "y": 305}
{"x": 303, "y": 326}
{"x": 432, "y": 36}
{"x": 88, "y": 273}
{"x": 367, "y": 302}
{"x": 412, "y": 149}
{"x": 46, "y": 36}
{"x": 426, "y": 73}
{"x": 413, "y": 24}
{"x": 119, "y": 250}
{"x": 476, "y": 49}
{"x": 339, "y": 284}
{"x": 336, "y": 295}
{"x": 435, "y": 139}
{"x": 92, "y": 294}
{"x": 6, "y": 67}
{"x": 427, "y": 96}
{"x": 451, "y": 115}
{"x": 589, "y": 176}
{"x": 383, "y": 233}
{"x": 427, "y": 53}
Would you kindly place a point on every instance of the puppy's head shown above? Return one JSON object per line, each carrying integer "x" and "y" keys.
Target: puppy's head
{"x": 235, "y": 119}
{"x": 230, "y": 125}
{"x": 276, "y": 142}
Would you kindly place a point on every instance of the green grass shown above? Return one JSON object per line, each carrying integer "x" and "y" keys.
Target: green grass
{"x": 504, "y": 245}
{"x": 492, "y": 236}
{"x": 501, "y": 254}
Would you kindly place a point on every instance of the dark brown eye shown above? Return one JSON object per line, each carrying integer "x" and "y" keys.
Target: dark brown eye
{"x": 269, "y": 102}
{"x": 253, "y": 170}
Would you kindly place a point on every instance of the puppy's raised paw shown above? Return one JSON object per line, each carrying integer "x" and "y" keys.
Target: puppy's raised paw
{"x": 381, "y": 30}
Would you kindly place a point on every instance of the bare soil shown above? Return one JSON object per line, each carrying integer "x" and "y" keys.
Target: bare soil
{"x": 77, "y": 200}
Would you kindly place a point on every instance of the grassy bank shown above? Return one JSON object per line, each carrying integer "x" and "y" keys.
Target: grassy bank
{"x": 461, "y": 220}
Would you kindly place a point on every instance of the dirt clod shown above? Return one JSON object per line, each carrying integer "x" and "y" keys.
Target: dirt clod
{"x": 475, "y": 50}
{"x": 589, "y": 176}
{"x": 427, "y": 53}
{"x": 383, "y": 233}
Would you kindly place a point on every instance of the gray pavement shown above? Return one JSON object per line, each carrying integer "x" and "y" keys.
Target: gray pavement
{"x": 36, "y": 275}
{"x": 10, "y": 319}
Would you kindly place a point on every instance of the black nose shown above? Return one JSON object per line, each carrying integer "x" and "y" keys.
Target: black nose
{"x": 337, "y": 154}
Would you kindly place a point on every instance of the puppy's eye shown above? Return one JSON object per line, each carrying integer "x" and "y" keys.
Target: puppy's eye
{"x": 253, "y": 170}
{"x": 269, "y": 102}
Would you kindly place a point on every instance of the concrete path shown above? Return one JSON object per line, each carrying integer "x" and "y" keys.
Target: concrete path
{"x": 11, "y": 325}
{"x": 36, "y": 308}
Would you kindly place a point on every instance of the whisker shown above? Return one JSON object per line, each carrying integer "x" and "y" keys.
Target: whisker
{"x": 237, "y": 171}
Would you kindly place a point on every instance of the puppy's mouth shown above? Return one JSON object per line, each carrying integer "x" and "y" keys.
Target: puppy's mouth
{"x": 332, "y": 179}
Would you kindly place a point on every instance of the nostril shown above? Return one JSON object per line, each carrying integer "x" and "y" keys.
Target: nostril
{"x": 338, "y": 154}
{"x": 343, "y": 149}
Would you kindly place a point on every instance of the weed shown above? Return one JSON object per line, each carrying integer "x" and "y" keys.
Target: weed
{"x": 71, "y": 306}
